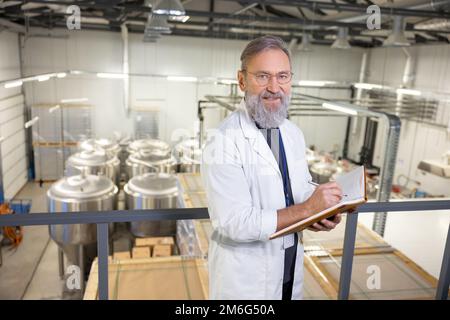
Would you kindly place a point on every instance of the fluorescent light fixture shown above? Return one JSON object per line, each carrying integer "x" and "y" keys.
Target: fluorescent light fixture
{"x": 53, "y": 109}
{"x": 43, "y": 78}
{"x": 1, "y": 139}
{"x": 76, "y": 72}
{"x": 31, "y": 122}
{"x": 182, "y": 79}
{"x": 335, "y": 107}
{"x": 368, "y": 86}
{"x": 74, "y": 100}
{"x": 228, "y": 81}
{"x": 409, "y": 92}
{"x": 112, "y": 75}
{"x": 61, "y": 75}
{"x": 313, "y": 83}
{"x": 341, "y": 41}
{"x": 13, "y": 84}
{"x": 170, "y": 8}
{"x": 397, "y": 38}
{"x": 179, "y": 18}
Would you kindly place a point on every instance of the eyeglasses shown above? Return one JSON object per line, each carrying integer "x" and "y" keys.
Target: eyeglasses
{"x": 263, "y": 78}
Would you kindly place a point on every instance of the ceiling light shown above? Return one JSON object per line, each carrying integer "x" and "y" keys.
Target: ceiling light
{"x": 43, "y": 78}
{"x": 112, "y": 75}
{"x": 74, "y": 100}
{"x": 397, "y": 38}
{"x": 368, "y": 86}
{"x": 335, "y": 107}
{"x": 170, "y": 8}
{"x": 341, "y": 41}
{"x": 409, "y": 92}
{"x": 31, "y": 122}
{"x": 61, "y": 75}
{"x": 182, "y": 79}
{"x": 228, "y": 81}
{"x": 179, "y": 18}
{"x": 13, "y": 84}
{"x": 53, "y": 109}
{"x": 313, "y": 83}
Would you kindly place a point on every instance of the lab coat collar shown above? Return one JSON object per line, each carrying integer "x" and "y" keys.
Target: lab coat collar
{"x": 255, "y": 137}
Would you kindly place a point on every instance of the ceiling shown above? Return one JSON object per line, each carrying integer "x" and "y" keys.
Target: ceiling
{"x": 427, "y": 22}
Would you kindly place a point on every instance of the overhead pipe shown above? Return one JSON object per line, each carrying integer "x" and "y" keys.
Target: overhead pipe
{"x": 125, "y": 70}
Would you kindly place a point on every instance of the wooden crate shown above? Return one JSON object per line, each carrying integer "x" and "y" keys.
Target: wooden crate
{"x": 400, "y": 277}
{"x": 152, "y": 241}
{"x": 169, "y": 278}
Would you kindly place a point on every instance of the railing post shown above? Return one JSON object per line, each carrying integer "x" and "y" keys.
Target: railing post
{"x": 347, "y": 255}
{"x": 444, "y": 277}
{"x": 102, "y": 250}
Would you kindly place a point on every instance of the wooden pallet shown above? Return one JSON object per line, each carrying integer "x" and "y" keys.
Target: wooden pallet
{"x": 403, "y": 278}
{"x": 173, "y": 278}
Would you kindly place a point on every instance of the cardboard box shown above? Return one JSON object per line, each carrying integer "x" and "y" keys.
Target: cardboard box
{"x": 162, "y": 250}
{"x": 141, "y": 252}
{"x": 122, "y": 255}
{"x": 152, "y": 241}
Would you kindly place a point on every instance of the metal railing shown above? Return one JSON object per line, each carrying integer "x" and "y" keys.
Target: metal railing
{"x": 102, "y": 219}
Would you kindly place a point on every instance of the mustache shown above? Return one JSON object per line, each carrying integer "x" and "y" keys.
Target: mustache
{"x": 270, "y": 95}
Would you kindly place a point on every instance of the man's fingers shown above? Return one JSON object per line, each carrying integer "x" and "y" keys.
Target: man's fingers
{"x": 328, "y": 224}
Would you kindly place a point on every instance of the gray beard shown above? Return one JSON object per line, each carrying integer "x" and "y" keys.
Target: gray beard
{"x": 265, "y": 118}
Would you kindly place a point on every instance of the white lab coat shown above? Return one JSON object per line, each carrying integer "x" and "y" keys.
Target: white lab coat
{"x": 244, "y": 187}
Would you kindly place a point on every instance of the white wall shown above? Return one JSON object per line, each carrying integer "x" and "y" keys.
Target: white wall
{"x": 418, "y": 141}
{"x": 182, "y": 56}
{"x": 13, "y": 151}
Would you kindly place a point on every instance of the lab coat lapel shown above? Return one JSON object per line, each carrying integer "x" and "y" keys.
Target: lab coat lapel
{"x": 292, "y": 162}
{"x": 255, "y": 137}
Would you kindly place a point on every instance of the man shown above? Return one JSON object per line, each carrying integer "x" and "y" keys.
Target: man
{"x": 257, "y": 182}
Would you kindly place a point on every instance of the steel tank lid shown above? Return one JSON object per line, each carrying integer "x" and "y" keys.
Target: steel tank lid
{"x": 154, "y": 184}
{"x": 149, "y": 144}
{"x": 82, "y": 187}
{"x": 103, "y": 143}
{"x": 150, "y": 156}
{"x": 89, "y": 158}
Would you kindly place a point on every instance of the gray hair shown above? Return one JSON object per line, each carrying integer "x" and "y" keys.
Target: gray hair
{"x": 261, "y": 44}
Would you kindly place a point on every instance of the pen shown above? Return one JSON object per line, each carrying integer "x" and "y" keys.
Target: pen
{"x": 316, "y": 184}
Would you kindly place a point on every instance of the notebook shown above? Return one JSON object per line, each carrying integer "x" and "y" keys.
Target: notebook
{"x": 353, "y": 185}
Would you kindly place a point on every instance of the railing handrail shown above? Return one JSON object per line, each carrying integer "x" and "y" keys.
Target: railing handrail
{"x": 103, "y": 218}
{"x": 110, "y": 216}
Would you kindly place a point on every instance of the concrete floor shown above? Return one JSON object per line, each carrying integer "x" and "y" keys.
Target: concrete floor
{"x": 31, "y": 272}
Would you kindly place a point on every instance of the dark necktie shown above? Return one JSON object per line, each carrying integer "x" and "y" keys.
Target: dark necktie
{"x": 275, "y": 142}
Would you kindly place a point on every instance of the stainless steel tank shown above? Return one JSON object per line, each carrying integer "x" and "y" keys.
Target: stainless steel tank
{"x": 152, "y": 191}
{"x": 145, "y": 160}
{"x": 96, "y": 162}
{"x": 111, "y": 148}
{"x": 189, "y": 155}
{"x": 80, "y": 193}
{"x": 148, "y": 144}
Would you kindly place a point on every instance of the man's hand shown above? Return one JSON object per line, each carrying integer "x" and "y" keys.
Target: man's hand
{"x": 326, "y": 225}
{"x": 326, "y": 195}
